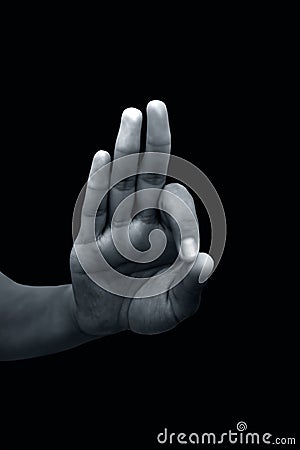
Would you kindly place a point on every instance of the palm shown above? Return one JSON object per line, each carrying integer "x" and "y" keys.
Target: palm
{"x": 102, "y": 312}
{"x": 113, "y": 304}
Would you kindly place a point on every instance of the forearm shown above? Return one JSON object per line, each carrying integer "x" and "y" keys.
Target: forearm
{"x": 36, "y": 321}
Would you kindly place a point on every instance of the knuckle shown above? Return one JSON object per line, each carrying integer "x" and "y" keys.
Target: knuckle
{"x": 126, "y": 184}
{"x": 152, "y": 178}
{"x": 122, "y": 149}
{"x": 97, "y": 185}
{"x": 126, "y": 148}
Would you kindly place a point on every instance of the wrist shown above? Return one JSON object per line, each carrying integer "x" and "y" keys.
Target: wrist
{"x": 73, "y": 316}
{"x": 124, "y": 314}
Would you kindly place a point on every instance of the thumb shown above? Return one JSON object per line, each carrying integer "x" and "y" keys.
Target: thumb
{"x": 186, "y": 296}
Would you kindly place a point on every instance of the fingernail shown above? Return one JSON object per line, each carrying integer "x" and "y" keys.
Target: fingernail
{"x": 189, "y": 249}
{"x": 207, "y": 267}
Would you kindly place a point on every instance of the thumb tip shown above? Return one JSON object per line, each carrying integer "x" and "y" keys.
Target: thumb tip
{"x": 207, "y": 265}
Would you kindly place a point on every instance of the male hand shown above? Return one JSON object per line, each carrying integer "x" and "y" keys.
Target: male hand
{"x": 99, "y": 312}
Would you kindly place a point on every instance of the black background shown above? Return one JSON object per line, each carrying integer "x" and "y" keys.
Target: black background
{"x": 62, "y": 97}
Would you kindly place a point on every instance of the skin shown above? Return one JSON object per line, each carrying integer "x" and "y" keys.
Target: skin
{"x": 36, "y": 321}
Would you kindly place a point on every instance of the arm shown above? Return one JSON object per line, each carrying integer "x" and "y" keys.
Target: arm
{"x": 36, "y": 321}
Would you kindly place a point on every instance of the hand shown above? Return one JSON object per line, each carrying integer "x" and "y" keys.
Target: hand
{"x": 99, "y": 312}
